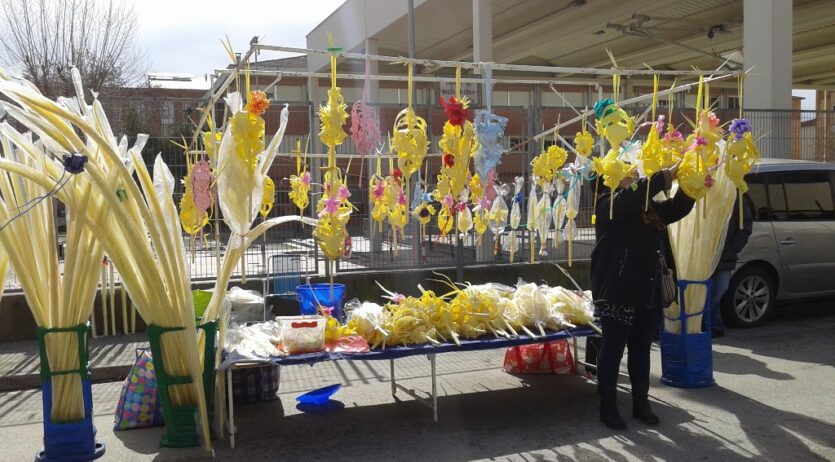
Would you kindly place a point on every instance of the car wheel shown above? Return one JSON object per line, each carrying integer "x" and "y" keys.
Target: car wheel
{"x": 750, "y": 298}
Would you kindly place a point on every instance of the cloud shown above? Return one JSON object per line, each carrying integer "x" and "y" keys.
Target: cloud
{"x": 184, "y": 36}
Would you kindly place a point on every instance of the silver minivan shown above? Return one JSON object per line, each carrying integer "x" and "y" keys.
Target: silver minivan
{"x": 791, "y": 252}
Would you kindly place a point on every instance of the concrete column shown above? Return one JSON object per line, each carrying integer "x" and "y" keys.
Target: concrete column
{"x": 767, "y": 45}
{"x": 373, "y": 69}
{"x": 482, "y": 31}
{"x": 483, "y": 52}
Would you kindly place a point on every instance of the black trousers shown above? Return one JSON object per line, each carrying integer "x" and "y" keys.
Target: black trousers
{"x": 638, "y": 339}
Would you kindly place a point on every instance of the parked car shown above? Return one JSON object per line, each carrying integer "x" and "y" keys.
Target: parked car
{"x": 791, "y": 252}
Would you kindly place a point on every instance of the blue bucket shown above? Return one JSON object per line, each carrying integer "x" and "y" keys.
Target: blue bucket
{"x": 69, "y": 441}
{"x": 311, "y": 296}
{"x": 687, "y": 359}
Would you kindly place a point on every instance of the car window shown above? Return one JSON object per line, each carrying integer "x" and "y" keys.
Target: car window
{"x": 759, "y": 196}
{"x": 777, "y": 209}
{"x": 808, "y": 195}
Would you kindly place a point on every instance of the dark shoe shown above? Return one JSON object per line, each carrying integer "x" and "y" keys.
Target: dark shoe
{"x": 717, "y": 333}
{"x": 609, "y": 414}
{"x": 642, "y": 411}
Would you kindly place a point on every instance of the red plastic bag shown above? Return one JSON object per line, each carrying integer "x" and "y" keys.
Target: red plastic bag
{"x": 540, "y": 358}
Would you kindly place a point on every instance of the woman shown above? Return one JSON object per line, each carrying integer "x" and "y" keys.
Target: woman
{"x": 631, "y": 249}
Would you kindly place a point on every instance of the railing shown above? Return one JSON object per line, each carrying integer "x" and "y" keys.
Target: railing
{"x": 807, "y": 135}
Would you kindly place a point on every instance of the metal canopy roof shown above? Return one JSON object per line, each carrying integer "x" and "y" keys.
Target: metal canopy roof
{"x": 664, "y": 34}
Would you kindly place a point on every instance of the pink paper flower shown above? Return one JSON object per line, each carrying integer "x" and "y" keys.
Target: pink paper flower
{"x": 398, "y": 298}
{"x": 379, "y": 190}
{"x": 448, "y": 201}
{"x": 673, "y": 135}
{"x": 659, "y": 125}
{"x": 401, "y": 198}
{"x": 306, "y": 178}
{"x": 708, "y": 181}
{"x": 343, "y": 193}
{"x": 484, "y": 203}
{"x": 331, "y": 206}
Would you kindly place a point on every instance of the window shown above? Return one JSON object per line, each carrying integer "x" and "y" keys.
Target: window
{"x": 733, "y": 102}
{"x": 809, "y": 195}
{"x": 778, "y": 211}
{"x": 167, "y": 119}
{"x": 759, "y": 197}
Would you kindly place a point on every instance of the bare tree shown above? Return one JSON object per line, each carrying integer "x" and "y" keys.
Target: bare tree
{"x": 48, "y": 37}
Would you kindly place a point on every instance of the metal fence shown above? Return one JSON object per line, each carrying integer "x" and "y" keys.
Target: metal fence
{"x": 807, "y": 135}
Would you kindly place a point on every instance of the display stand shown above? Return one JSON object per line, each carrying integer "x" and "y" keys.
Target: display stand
{"x": 180, "y": 423}
{"x": 687, "y": 359}
{"x": 392, "y": 354}
{"x": 70, "y": 440}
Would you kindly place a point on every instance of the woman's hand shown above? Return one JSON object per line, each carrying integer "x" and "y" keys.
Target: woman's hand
{"x": 671, "y": 174}
{"x": 674, "y": 170}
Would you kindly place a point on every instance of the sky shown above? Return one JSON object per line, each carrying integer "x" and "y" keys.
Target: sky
{"x": 183, "y": 36}
{"x": 808, "y": 103}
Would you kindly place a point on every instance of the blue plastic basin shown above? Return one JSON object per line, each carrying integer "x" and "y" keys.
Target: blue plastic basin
{"x": 319, "y": 396}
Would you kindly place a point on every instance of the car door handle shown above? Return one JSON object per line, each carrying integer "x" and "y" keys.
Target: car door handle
{"x": 788, "y": 241}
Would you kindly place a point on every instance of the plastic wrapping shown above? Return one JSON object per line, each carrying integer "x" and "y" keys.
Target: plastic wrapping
{"x": 246, "y": 305}
{"x": 533, "y": 216}
{"x": 572, "y": 202}
{"x": 488, "y": 128}
{"x": 366, "y": 318}
{"x": 465, "y": 221}
{"x": 532, "y": 304}
{"x": 558, "y": 213}
{"x": 302, "y": 334}
{"x": 497, "y": 218}
{"x": 256, "y": 341}
{"x": 543, "y": 222}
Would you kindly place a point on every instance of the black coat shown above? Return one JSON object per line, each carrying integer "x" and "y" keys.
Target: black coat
{"x": 735, "y": 238}
{"x": 625, "y": 260}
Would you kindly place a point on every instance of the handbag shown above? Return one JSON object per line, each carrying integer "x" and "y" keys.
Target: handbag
{"x": 669, "y": 288}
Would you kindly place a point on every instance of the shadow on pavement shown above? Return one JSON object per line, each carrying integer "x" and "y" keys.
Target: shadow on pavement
{"x": 549, "y": 416}
{"x": 737, "y": 364}
{"x": 816, "y": 321}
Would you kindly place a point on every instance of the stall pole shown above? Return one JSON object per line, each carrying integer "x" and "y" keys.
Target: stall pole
{"x": 431, "y": 357}
{"x": 232, "y": 428}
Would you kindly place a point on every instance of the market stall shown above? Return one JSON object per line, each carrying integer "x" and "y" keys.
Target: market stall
{"x": 125, "y": 210}
{"x": 232, "y": 362}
